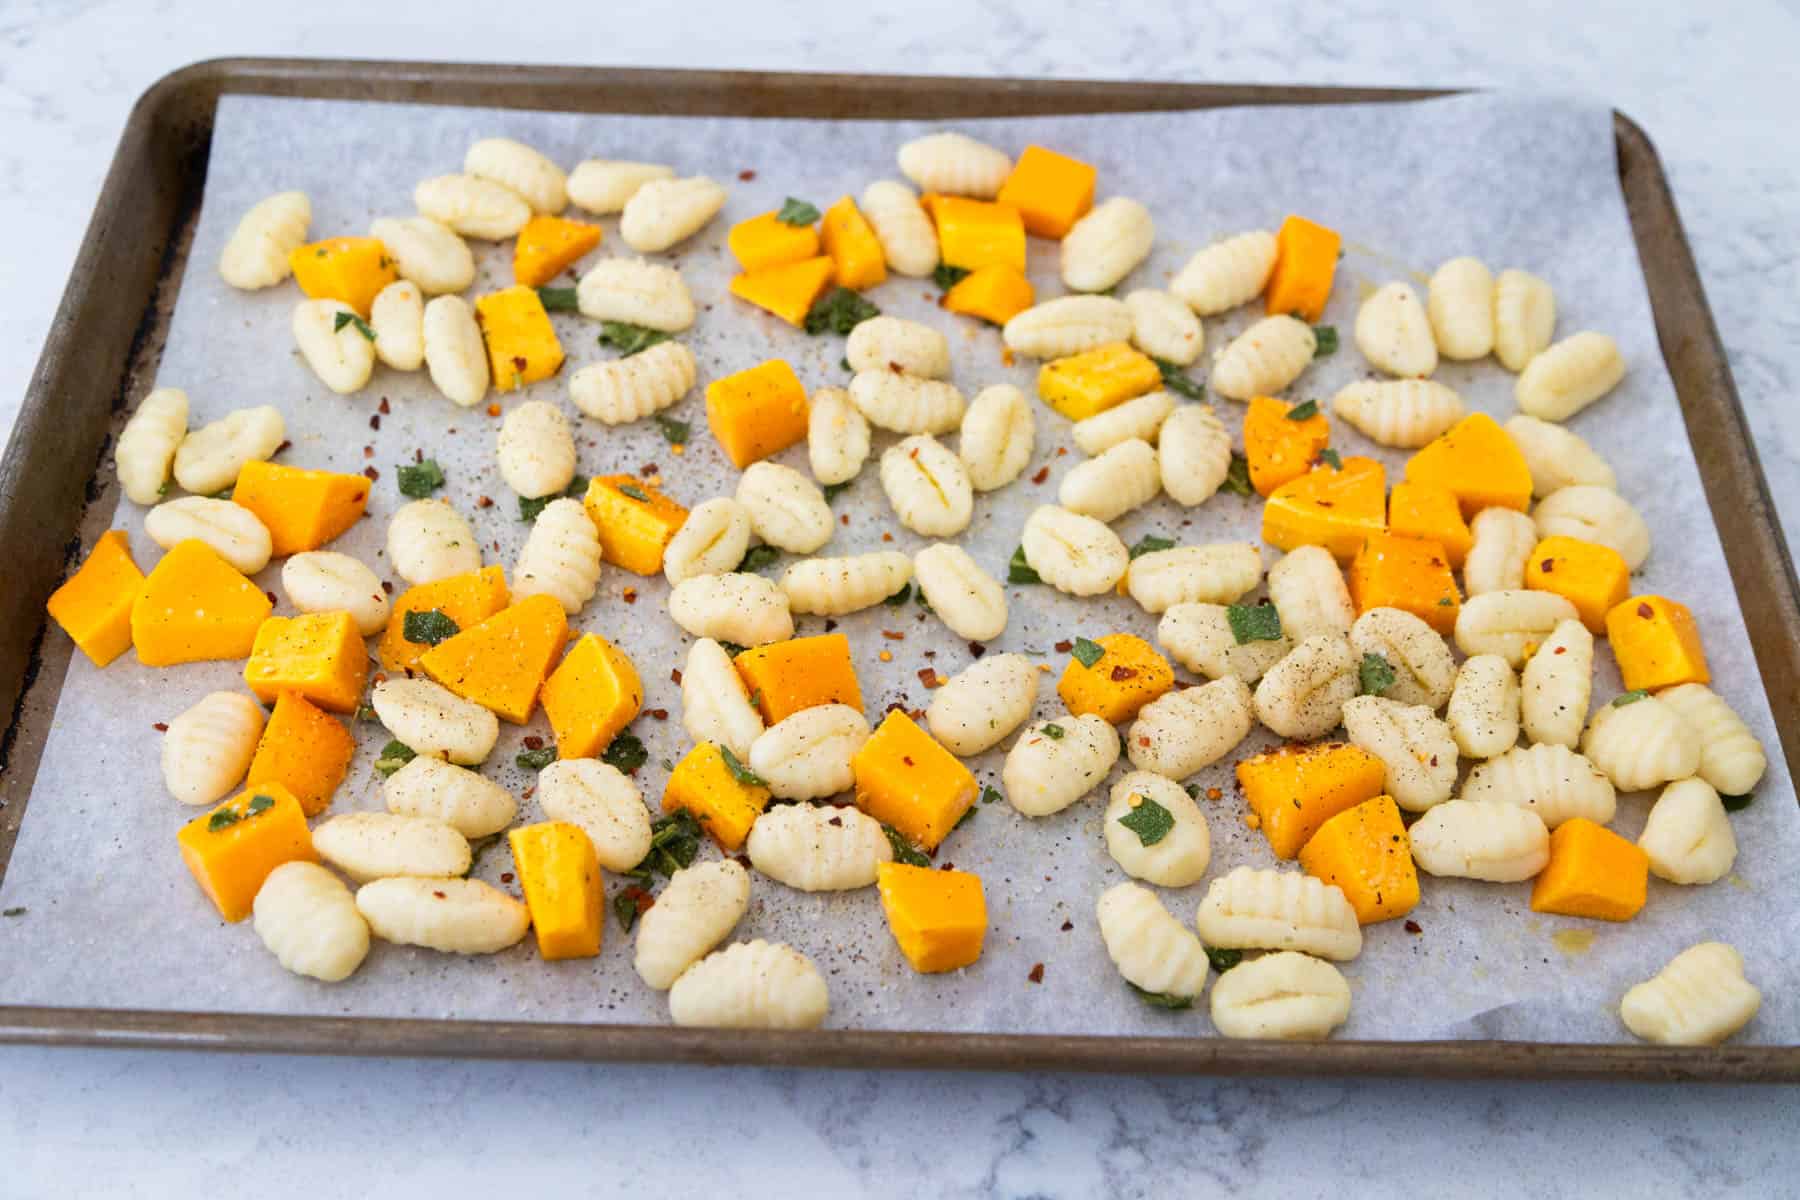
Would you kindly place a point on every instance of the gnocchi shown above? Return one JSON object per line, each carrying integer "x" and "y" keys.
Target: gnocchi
{"x": 433, "y": 789}
{"x": 232, "y": 530}
{"x": 1688, "y": 834}
{"x": 329, "y": 335}
{"x": 665, "y": 212}
{"x": 969, "y": 601}
{"x": 630, "y": 389}
{"x": 733, "y": 607}
{"x": 1255, "y": 908}
{"x": 1552, "y": 781}
{"x": 899, "y": 346}
{"x": 837, "y": 436}
{"x": 1569, "y": 376}
{"x": 326, "y": 581}
{"x": 452, "y": 916}
{"x": 698, "y": 909}
{"x": 430, "y": 719}
{"x": 1731, "y": 759}
{"x": 1264, "y": 359}
{"x": 1595, "y": 514}
{"x": 786, "y": 509}
{"x": 145, "y": 454}
{"x": 1502, "y": 543}
{"x": 378, "y": 845}
{"x": 1227, "y": 273}
{"x": 1073, "y": 553}
{"x": 1285, "y": 996}
{"x": 712, "y": 541}
{"x": 520, "y": 169}
{"x": 905, "y": 403}
{"x": 814, "y": 848}
{"x": 561, "y": 557}
{"x": 1057, "y": 762}
{"x": 1200, "y": 638}
{"x": 835, "y": 586}
{"x": 207, "y": 749}
{"x": 1641, "y": 744}
{"x": 455, "y": 356}
{"x": 1220, "y": 573}
{"x": 1511, "y": 623}
{"x": 983, "y": 703}
{"x": 1489, "y": 840}
{"x": 1411, "y": 742}
{"x": 1067, "y": 325}
{"x": 1110, "y": 485}
{"x": 1556, "y": 685}
{"x": 397, "y": 316}
{"x": 1699, "y": 998}
{"x": 928, "y": 487}
{"x": 1302, "y": 697}
{"x": 636, "y": 292}
{"x": 308, "y": 920}
{"x": 1106, "y": 245}
{"x": 535, "y": 450}
{"x": 427, "y": 540}
{"x": 715, "y": 705}
{"x": 1556, "y": 457}
{"x": 1424, "y": 670}
{"x": 1193, "y": 454}
{"x": 1394, "y": 333}
{"x": 601, "y": 800}
{"x": 998, "y": 431}
{"x": 477, "y": 208}
{"x": 1460, "y": 304}
{"x": 209, "y": 458}
{"x": 751, "y": 985}
{"x": 1152, "y": 950}
{"x": 1524, "y": 318}
{"x": 1185, "y": 730}
{"x": 955, "y": 164}
{"x": 256, "y": 254}
{"x": 427, "y": 254}
{"x": 1171, "y": 851}
{"x": 806, "y": 756}
{"x": 1404, "y": 413}
{"x": 605, "y": 186}
{"x": 1139, "y": 419}
{"x": 908, "y": 240}
{"x": 1484, "y": 707}
{"x": 1164, "y": 327}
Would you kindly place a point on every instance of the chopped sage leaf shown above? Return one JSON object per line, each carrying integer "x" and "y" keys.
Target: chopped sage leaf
{"x": 260, "y": 803}
{"x": 674, "y": 841}
{"x": 1374, "y": 675}
{"x": 362, "y": 326}
{"x": 834, "y": 490}
{"x": 675, "y": 432}
{"x": 739, "y": 771}
{"x": 536, "y": 760}
{"x": 731, "y": 648}
{"x": 904, "y": 851}
{"x": 531, "y": 508}
{"x": 838, "y": 311}
{"x": 1178, "y": 381}
{"x": 900, "y": 597}
{"x": 418, "y": 480}
{"x": 797, "y": 212}
{"x": 1737, "y": 803}
{"x": 428, "y": 628}
{"x": 947, "y": 276}
{"x": 1053, "y": 732}
{"x": 16, "y": 911}
{"x": 558, "y": 299}
{"x": 1306, "y": 410}
{"x": 629, "y": 339}
{"x": 758, "y": 557}
{"x": 1223, "y": 959}
{"x": 1327, "y": 341}
{"x": 1019, "y": 570}
{"x": 223, "y": 818}
{"x": 1237, "y": 476}
{"x": 629, "y": 903}
{"x": 1330, "y": 458}
{"x": 625, "y": 752}
{"x": 1160, "y": 999}
{"x": 1088, "y": 653}
{"x": 1149, "y": 820}
{"x": 1253, "y": 623}
{"x": 989, "y": 794}
{"x": 394, "y": 755}
{"x": 634, "y": 492}
{"x": 1631, "y": 697}
{"x": 1150, "y": 543}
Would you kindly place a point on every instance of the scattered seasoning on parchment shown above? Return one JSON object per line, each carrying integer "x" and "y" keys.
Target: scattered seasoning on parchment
{"x": 1036, "y": 974}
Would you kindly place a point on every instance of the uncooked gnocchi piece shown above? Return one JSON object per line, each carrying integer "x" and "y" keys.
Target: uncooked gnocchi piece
{"x": 452, "y": 916}
{"x": 998, "y": 431}
{"x": 1110, "y": 485}
{"x": 695, "y": 912}
{"x": 970, "y": 602}
{"x": 471, "y": 804}
{"x": 1163, "y": 326}
{"x": 1106, "y": 245}
{"x": 209, "y": 458}
{"x": 148, "y": 443}
{"x": 636, "y": 292}
{"x": 1200, "y": 638}
{"x": 1285, "y": 996}
{"x": 908, "y": 240}
{"x": 256, "y": 254}
{"x": 665, "y": 212}
{"x": 1552, "y": 781}
{"x": 604, "y": 803}
{"x": 1067, "y": 325}
{"x": 1424, "y": 669}
{"x": 837, "y": 435}
{"x": 233, "y": 531}
{"x": 1302, "y": 697}
{"x": 806, "y": 755}
{"x": 326, "y": 581}
{"x": 1484, "y": 707}
{"x": 1556, "y": 457}
{"x": 1460, "y": 303}
{"x": 928, "y": 486}
{"x": 1524, "y": 318}
{"x": 1404, "y": 413}
{"x": 427, "y": 540}
{"x": 1489, "y": 840}
{"x": 1503, "y": 541}
{"x": 787, "y": 510}
{"x": 1595, "y": 514}
{"x": 955, "y": 164}
{"x": 207, "y": 749}
{"x": 1154, "y": 951}
{"x": 983, "y": 703}
{"x": 430, "y": 719}
{"x": 1569, "y": 376}
{"x": 427, "y": 254}
{"x": 733, "y": 607}
{"x": 712, "y": 541}
{"x": 455, "y": 356}
{"x": 831, "y": 587}
{"x": 751, "y": 985}
{"x": 535, "y": 449}
{"x": 1411, "y": 742}
{"x": 605, "y": 186}
{"x": 1510, "y": 623}
{"x": 308, "y": 920}
{"x": 1139, "y": 419}
{"x": 1220, "y": 573}
{"x": 630, "y": 389}
{"x": 1556, "y": 685}
{"x": 1264, "y": 359}
{"x": 1194, "y": 454}
{"x": 397, "y": 316}
{"x": 818, "y": 848}
{"x": 1265, "y": 909}
{"x": 518, "y": 168}
{"x": 378, "y": 845}
{"x": 1641, "y": 744}
{"x": 1688, "y": 834}
{"x": 1187, "y": 729}
{"x": 1699, "y": 999}
{"x": 715, "y": 706}
{"x": 1171, "y": 851}
{"x": 1227, "y": 273}
{"x": 561, "y": 557}
{"x": 898, "y": 345}
{"x": 329, "y": 335}
{"x": 1074, "y": 554}
{"x": 1731, "y": 759}
{"x": 905, "y": 403}
{"x": 1308, "y": 592}
{"x": 1394, "y": 334}
{"x": 1054, "y": 763}
{"x": 477, "y": 208}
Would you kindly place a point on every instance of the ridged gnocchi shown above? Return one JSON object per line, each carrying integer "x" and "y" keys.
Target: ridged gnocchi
{"x": 451, "y": 916}
{"x": 636, "y": 292}
{"x": 1552, "y": 781}
{"x": 837, "y": 436}
{"x": 1484, "y": 707}
{"x": 712, "y": 541}
{"x": 1569, "y": 376}
{"x": 751, "y": 985}
{"x": 970, "y": 602}
{"x": 955, "y": 164}
{"x": 1227, "y": 273}
{"x": 1139, "y": 419}
{"x": 698, "y": 909}
{"x": 835, "y": 586}
{"x": 308, "y": 920}
{"x": 477, "y": 208}
{"x": 432, "y": 720}
{"x": 603, "y": 802}
{"x": 1503, "y": 541}
{"x": 331, "y": 341}
{"x": 1113, "y": 483}
{"x": 210, "y": 457}
{"x": 1511, "y": 623}
{"x": 1072, "y": 553}
{"x": 1176, "y": 851}
{"x": 1193, "y": 454}
{"x": 818, "y": 848}
{"x": 928, "y": 486}
{"x": 905, "y": 403}
{"x": 427, "y": 254}
{"x": 1556, "y": 457}
{"x": 1641, "y": 744}
{"x": 1688, "y": 834}
{"x": 1394, "y": 333}
{"x": 604, "y": 186}
{"x": 1302, "y": 697}
{"x": 1255, "y": 908}
{"x": 1595, "y": 514}
{"x": 1163, "y": 326}
{"x": 327, "y": 581}
{"x": 471, "y": 804}
{"x": 1524, "y": 318}
{"x": 455, "y": 355}
{"x": 1699, "y": 999}
{"x": 1557, "y": 684}
{"x": 520, "y": 169}
{"x": 1200, "y": 638}
{"x": 1220, "y": 573}
{"x": 232, "y": 530}
{"x": 397, "y": 315}
{"x": 1107, "y": 244}
{"x": 806, "y": 756}
{"x": 1489, "y": 840}
{"x": 1403, "y": 413}
{"x": 561, "y": 557}
{"x": 898, "y": 345}
{"x": 908, "y": 240}
{"x": 379, "y": 845}
{"x": 630, "y": 389}
{"x": 715, "y": 705}
{"x": 1731, "y": 758}
{"x": 980, "y": 706}
{"x": 1460, "y": 304}
{"x": 1067, "y": 325}
{"x": 733, "y": 607}
{"x": 145, "y": 453}
{"x": 536, "y": 450}
{"x": 256, "y": 254}
{"x": 427, "y": 540}
{"x": 1185, "y": 730}
{"x": 1054, "y": 763}
{"x": 207, "y": 749}
{"x": 1424, "y": 670}
{"x": 1152, "y": 950}
{"x": 1285, "y": 996}
{"x": 665, "y": 212}
{"x": 1411, "y": 742}
{"x": 998, "y": 431}
{"x": 787, "y": 510}
{"x": 1264, "y": 359}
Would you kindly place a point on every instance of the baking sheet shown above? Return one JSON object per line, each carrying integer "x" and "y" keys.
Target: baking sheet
{"x": 113, "y": 921}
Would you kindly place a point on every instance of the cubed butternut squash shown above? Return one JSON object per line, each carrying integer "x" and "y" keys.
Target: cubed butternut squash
{"x": 789, "y": 290}
{"x": 905, "y": 779}
{"x": 319, "y": 656}
{"x": 548, "y": 246}
{"x": 592, "y": 695}
{"x": 938, "y": 918}
{"x": 765, "y": 241}
{"x": 1657, "y": 643}
{"x": 1592, "y": 577}
{"x": 635, "y": 521}
{"x": 350, "y": 269}
{"x": 1365, "y": 853}
{"x": 1279, "y": 448}
{"x": 522, "y": 346}
{"x": 1592, "y": 872}
{"x": 849, "y": 241}
{"x": 1093, "y": 381}
{"x": 785, "y": 677}
{"x": 724, "y": 804}
{"x": 1410, "y": 574}
{"x": 1338, "y": 508}
{"x": 1477, "y": 462}
{"x": 757, "y": 412}
{"x": 501, "y": 663}
{"x": 1051, "y": 191}
{"x": 978, "y": 233}
{"x": 1306, "y": 257}
{"x": 94, "y": 605}
{"x": 194, "y": 606}
{"x": 231, "y": 849}
{"x": 1293, "y": 790}
{"x": 467, "y": 600}
{"x": 559, "y": 872}
{"x": 995, "y": 294}
{"x": 1424, "y": 510}
{"x": 302, "y": 509}
{"x": 303, "y": 749}
{"x": 1128, "y": 675}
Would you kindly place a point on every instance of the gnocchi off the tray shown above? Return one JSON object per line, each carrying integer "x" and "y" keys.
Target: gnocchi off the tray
{"x": 1361, "y": 630}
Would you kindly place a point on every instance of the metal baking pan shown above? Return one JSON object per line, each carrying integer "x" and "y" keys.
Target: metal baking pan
{"x": 107, "y": 337}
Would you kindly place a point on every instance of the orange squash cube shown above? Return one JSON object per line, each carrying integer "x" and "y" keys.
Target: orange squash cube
{"x": 319, "y": 656}
{"x": 1592, "y": 872}
{"x": 1279, "y": 448}
{"x": 1424, "y": 510}
{"x": 704, "y": 784}
{"x": 995, "y": 294}
{"x": 1086, "y": 384}
{"x": 1051, "y": 191}
{"x": 194, "y": 606}
{"x": 1338, "y": 508}
{"x": 1294, "y": 790}
{"x": 789, "y": 290}
{"x": 757, "y": 412}
{"x": 548, "y": 246}
{"x": 1410, "y": 574}
{"x": 560, "y": 875}
{"x": 1478, "y": 462}
{"x": 1306, "y": 256}
{"x": 857, "y": 260}
{"x": 1593, "y": 578}
{"x": 231, "y": 849}
{"x": 467, "y": 600}
{"x": 765, "y": 241}
{"x": 978, "y": 233}
{"x": 303, "y": 509}
{"x": 93, "y": 606}
{"x": 635, "y": 521}
{"x": 1129, "y": 675}
{"x": 1365, "y": 853}
{"x": 522, "y": 346}
{"x": 939, "y": 918}
{"x": 303, "y": 749}
{"x": 785, "y": 677}
{"x": 592, "y": 695}
{"x": 1657, "y": 643}
{"x": 501, "y": 663}
{"x": 905, "y": 779}
{"x": 349, "y": 269}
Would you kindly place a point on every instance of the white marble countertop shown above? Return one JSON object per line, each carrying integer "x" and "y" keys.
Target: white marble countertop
{"x": 1713, "y": 93}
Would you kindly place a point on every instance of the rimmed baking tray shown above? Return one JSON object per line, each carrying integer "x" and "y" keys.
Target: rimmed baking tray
{"x": 107, "y": 338}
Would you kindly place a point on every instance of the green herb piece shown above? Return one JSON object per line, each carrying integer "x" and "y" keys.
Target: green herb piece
{"x": 419, "y": 480}
{"x": 838, "y": 311}
{"x": 989, "y": 794}
{"x": 531, "y": 508}
{"x": 1445, "y": 602}
{"x": 1330, "y": 458}
{"x": 731, "y": 648}
{"x": 625, "y": 752}
{"x": 1327, "y": 341}
{"x": 163, "y": 489}
{"x": 739, "y": 771}
{"x": 904, "y": 851}
{"x": 1088, "y": 653}
{"x": 674, "y": 841}
{"x": 1019, "y": 571}
{"x": 1053, "y": 732}
{"x": 635, "y": 492}
{"x": 758, "y": 557}
{"x": 797, "y": 212}
{"x": 629, "y": 903}
{"x": 676, "y": 433}
{"x": 478, "y": 847}
{"x": 536, "y": 760}
{"x": 259, "y": 803}
{"x": 17, "y": 911}
{"x": 968, "y": 815}
{"x": 1161, "y": 999}
{"x": 1237, "y": 476}
{"x": 834, "y": 490}
{"x": 1192, "y": 789}
{"x": 923, "y": 602}
{"x": 1223, "y": 960}
{"x": 756, "y": 698}
{"x": 900, "y": 597}
{"x": 1631, "y": 697}
{"x": 1374, "y": 676}
{"x": 1737, "y": 803}
{"x": 1149, "y": 820}
{"x": 947, "y": 276}
{"x": 362, "y": 326}
{"x": 1178, "y": 381}
{"x": 629, "y": 339}
{"x": 222, "y": 495}
{"x": 394, "y": 755}
{"x": 223, "y": 818}
{"x": 428, "y": 628}
{"x": 1253, "y": 623}
{"x": 1306, "y": 410}
{"x": 558, "y": 299}
{"x": 1150, "y": 543}
{"x": 364, "y": 713}
{"x": 844, "y": 365}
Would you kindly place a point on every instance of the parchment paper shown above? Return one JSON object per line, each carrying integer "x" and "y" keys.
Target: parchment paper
{"x": 113, "y": 920}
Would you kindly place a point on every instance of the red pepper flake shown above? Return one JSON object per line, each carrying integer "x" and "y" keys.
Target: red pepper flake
{"x": 929, "y": 678}
{"x": 1067, "y": 925}
{"x": 387, "y": 589}
{"x": 830, "y": 625}
{"x": 907, "y": 759}
{"x": 383, "y": 406}
{"x": 1063, "y": 647}
{"x": 976, "y": 649}
{"x": 1413, "y": 927}
{"x": 439, "y": 894}
{"x": 1036, "y": 974}
{"x": 1062, "y": 451}
{"x": 640, "y": 899}
{"x": 897, "y": 369}
{"x": 887, "y": 537}
{"x": 285, "y": 445}
{"x": 844, "y": 520}
{"x": 742, "y": 860}
{"x": 647, "y": 469}
{"x": 1326, "y": 504}
{"x": 529, "y": 792}
{"x": 1560, "y": 650}
{"x": 519, "y": 363}
{"x": 506, "y": 877}
{"x": 629, "y": 595}
{"x": 1213, "y": 793}
{"x": 375, "y": 421}
{"x": 368, "y": 452}
{"x": 534, "y": 742}
{"x": 661, "y": 714}
{"x": 894, "y": 635}
{"x": 1548, "y": 566}
{"x": 894, "y": 706}
{"x": 484, "y": 502}
{"x": 931, "y": 654}
{"x": 419, "y": 455}
{"x": 1646, "y": 612}
{"x": 675, "y": 676}
{"x": 493, "y": 410}
{"x": 1121, "y": 674}
{"x": 1043, "y": 473}
{"x": 161, "y": 727}
{"x": 1145, "y": 741}
{"x": 746, "y": 175}
{"x": 837, "y": 821}
{"x": 372, "y": 473}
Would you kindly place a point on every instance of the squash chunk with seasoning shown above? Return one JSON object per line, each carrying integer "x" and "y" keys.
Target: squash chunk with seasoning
{"x": 939, "y": 918}
{"x": 560, "y": 876}
{"x": 995, "y": 294}
{"x": 1334, "y": 507}
{"x": 1278, "y": 447}
{"x": 1424, "y": 510}
{"x": 904, "y": 778}
{"x": 848, "y": 239}
{"x": 1657, "y": 643}
{"x": 1477, "y": 462}
{"x": 789, "y": 290}
{"x": 522, "y": 346}
{"x": 1087, "y": 384}
{"x": 316, "y": 655}
{"x": 1306, "y": 258}
{"x": 634, "y": 520}
{"x": 1410, "y": 574}
{"x": 466, "y": 599}
{"x": 766, "y": 240}
{"x": 1592, "y": 577}
{"x": 1051, "y": 191}
{"x": 232, "y": 849}
{"x": 592, "y": 695}
{"x": 303, "y": 749}
{"x": 1365, "y": 853}
{"x": 193, "y": 607}
{"x": 548, "y": 246}
{"x": 302, "y": 509}
{"x": 785, "y": 677}
{"x": 978, "y": 233}
{"x": 1128, "y": 675}
{"x": 1294, "y": 790}
{"x": 724, "y": 801}
{"x": 757, "y": 412}
{"x": 1592, "y": 872}
{"x": 94, "y": 605}
{"x": 349, "y": 269}
{"x": 501, "y": 663}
